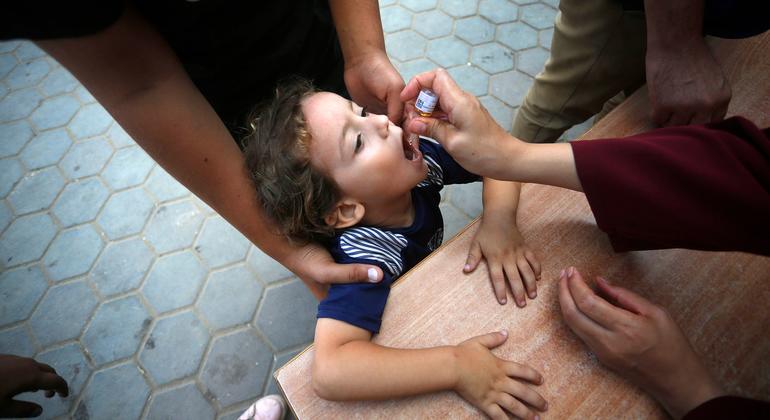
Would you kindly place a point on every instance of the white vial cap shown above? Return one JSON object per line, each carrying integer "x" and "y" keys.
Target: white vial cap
{"x": 426, "y": 101}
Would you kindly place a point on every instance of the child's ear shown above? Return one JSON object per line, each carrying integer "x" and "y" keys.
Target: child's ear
{"x": 346, "y": 213}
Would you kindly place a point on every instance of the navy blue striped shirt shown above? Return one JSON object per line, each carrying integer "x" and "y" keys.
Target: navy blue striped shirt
{"x": 393, "y": 250}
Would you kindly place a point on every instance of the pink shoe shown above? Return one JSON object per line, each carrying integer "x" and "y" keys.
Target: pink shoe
{"x": 270, "y": 407}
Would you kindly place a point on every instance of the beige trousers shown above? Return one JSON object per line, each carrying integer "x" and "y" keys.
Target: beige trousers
{"x": 597, "y": 51}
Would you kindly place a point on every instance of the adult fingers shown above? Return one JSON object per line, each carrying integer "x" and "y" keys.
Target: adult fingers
{"x": 514, "y": 406}
{"x": 52, "y": 382}
{"x": 491, "y": 340}
{"x": 525, "y": 393}
{"x": 434, "y": 128}
{"x": 678, "y": 118}
{"x": 498, "y": 280}
{"x": 20, "y": 409}
{"x": 582, "y": 325}
{"x": 440, "y": 82}
{"x": 524, "y": 372}
{"x": 625, "y": 298}
{"x": 528, "y": 275}
{"x": 395, "y": 107}
{"x": 474, "y": 256}
{"x": 45, "y": 368}
{"x": 517, "y": 287}
{"x": 334, "y": 273}
{"x": 590, "y": 304}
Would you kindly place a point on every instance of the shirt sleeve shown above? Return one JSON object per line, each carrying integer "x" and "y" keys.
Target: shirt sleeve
{"x": 450, "y": 172}
{"x": 44, "y": 20}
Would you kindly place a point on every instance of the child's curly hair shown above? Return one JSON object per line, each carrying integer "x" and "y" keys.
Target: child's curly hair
{"x": 293, "y": 194}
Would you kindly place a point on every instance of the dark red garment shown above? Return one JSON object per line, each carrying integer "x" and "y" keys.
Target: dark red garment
{"x": 701, "y": 187}
{"x": 729, "y": 407}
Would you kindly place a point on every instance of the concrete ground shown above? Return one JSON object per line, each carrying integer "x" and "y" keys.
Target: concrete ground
{"x": 142, "y": 297}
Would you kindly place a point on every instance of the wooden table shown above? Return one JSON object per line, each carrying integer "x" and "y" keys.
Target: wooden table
{"x": 721, "y": 300}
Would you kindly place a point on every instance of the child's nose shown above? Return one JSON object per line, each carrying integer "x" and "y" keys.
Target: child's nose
{"x": 382, "y": 123}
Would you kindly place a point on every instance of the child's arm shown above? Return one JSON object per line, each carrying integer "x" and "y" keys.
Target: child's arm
{"x": 348, "y": 366}
{"x": 499, "y": 241}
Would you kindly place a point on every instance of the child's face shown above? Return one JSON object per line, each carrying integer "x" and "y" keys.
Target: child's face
{"x": 366, "y": 155}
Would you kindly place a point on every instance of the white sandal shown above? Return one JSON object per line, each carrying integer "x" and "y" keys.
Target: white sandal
{"x": 270, "y": 407}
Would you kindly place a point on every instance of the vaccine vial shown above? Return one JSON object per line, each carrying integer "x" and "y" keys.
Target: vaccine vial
{"x": 426, "y": 102}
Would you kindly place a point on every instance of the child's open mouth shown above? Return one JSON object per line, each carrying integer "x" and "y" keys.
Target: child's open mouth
{"x": 410, "y": 144}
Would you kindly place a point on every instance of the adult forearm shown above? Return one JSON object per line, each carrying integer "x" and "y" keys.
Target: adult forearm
{"x": 358, "y": 26}
{"x": 548, "y": 164}
{"x": 673, "y": 23}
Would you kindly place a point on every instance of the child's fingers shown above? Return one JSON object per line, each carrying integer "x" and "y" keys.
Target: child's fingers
{"x": 534, "y": 262}
{"x": 498, "y": 281}
{"x": 491, "y": 340}
{"x": 512, "y": 272}
{"x": 474, "y": 256}
{"x": 495, "y": 412}
{"x": 523, "y": 372}
{"x": 514, "y": 406}
{"x": 524, "y": 393}
{"x": 528, "y": 275}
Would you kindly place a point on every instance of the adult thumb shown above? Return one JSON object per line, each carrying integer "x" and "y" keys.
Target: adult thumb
{"x": 433, "y": 128}
{"x": 493, "y": 339}
{"x": 20, "y": 409}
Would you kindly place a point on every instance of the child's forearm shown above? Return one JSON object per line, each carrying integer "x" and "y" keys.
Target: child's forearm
{"x": 362, "y": 370}
{"x": 501, "y": 197}
{"x": 549, "y": 164}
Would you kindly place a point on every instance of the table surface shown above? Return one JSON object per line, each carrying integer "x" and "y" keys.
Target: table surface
{"x": 720, "y": 300}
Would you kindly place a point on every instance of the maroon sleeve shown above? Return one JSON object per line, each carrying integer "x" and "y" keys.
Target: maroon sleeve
{"x": 700, "y": 187}
{"x": 729, "y": 407}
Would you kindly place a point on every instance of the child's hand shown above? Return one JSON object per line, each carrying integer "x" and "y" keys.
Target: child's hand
{"x": 508, "y": 256}
{"x": 495, "y": 385}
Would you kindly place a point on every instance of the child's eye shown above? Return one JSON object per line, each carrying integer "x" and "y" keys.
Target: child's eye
{"x": 358, "y": 143}
{"x": 363, "y": 111}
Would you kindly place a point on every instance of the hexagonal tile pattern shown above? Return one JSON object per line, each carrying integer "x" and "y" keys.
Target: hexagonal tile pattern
{"x": 510, "y": 86}
{"x": 5, "y": 215}
{"x": 26, "y": 239}
{"x": 174, "y": 281}
{"x": 448, "y": 52}
{"x": 20, "y": 290}
{"x": 28, "y": 51}
{"x": 405, "y": 45}
{"x": 17, "y": 341}
{"x": 129, "y": 167}
{"x": 84, "y": 95}
{"x": 475, "y": 30}
{"x": 72, "y": 252}
{"x": 185, "y": 402}
{"x": 174, "y": 226}
{"x": 230, "y": 297}
{"x": 459, "y": 8}
{"x": 164, "y": 187}
{"x": 502, "y": 113}
{"x": 13, "y": 136}
{"x": 80, "y": 201}
{"x": 418, "y": 5}
{"x": 122, "y": 266}
{"x": 539, "y": 16}
{"x": 268, "y": 269}
{"x": 28, "y": 74}
{"x": 125, "y": 213}
{"x": 516, "y": 36}
{"x": 220, "y": 244}
{"x": 69, "y": 362}
{"x": 532, "y": 61}
{"x": 19, "y": 104}
{"x": 10, "y": 173}
{"x": 46, "y": 149}
{"x": 433, "y": 24}
{"x": 90, "y": 121}
{"x": 498, "y": 11}
{"x": 545, "y": 37}
{"x": 104, "y": 342}
{"x": 470, "y": 78}
{"x": 118, "y": 392}
{"x": 287, "y": 315}
{"x": 236, "y": 368}
{"x": 7, "y": 63}
{"x": 36, "y": 191}
{"x": 492, "y": 58}
{"x": 62, "y": 312}
{"x": 58, "y": 81}
{"x": 86, "y": 158}
{"x": 415, "y": 67}
{"x": 119, "y": 137}
{"x": 467, "y": 198}
{"x": 174, "y": 348}
{"x": 395, "y": 18}
{"x": 55, "y": 112}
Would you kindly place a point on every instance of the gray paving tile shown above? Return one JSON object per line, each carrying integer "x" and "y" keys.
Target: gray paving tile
{"x": 86, "y": 158}
{"x": 415, "y": 67}
{"x": 454, "y": 220}
{"x": 278, "y": 361}
{"x": 475, "y": 30}
{"x": 104, "y": 342}
{"x": 72, "y": 252}
{"x": 418, "y": 5}
{"x": 385, "y": 3}
{"x": 448, "y": 52}
{"x": 539, "y": 16}
{"x": 119, "y": 137}
{"x": 174, "y": 226}
{"x": 125, "y": 213}
{"x": 90, "y": 121}
{"x": 174, "y": 281}
{"x": 433, "y": 24}
{"x": 59, "y": 81}
{"x": 174, "y": 348}
{"x": 20, "y": 290}
{"x": 9, "y": 46}
{"x": 405, "y": 45}
{"x": 27, "y": 74}
{"x": 5, "y": 215}
{"x": 71, "y": 364}
{"x": 19, "y": 104}
{"x": 229, "y": 298}
{"x": 502, "y": 113}
{"x": 498, "y": 11}
{"x": 268, "y": 269}
{"x": 287, "y": 315}
{"x": 7, "y": 63}
{"x": 62, "y": 313}
{"x": 121, "y": 267}
{"x": 395, "y": 18}
{"x": 163, "y": 186}
{"x": 80, "y": 201}
{"x": 236, "y": 369}
{"x": 17, "y": 341}
{"x": 13, "y": 136}
{"x": 532, "y": 61}
{"x": 55, "y": 112}
{"x": 3, "y": 90}
{"x": 84, "y": 95}
{"x": 185, "y": 402}
{"x": 10, "y": 173}
{"x": 545, "y": 37}
{"x": 492, "y": 58}
{"x": 471, "y": 79}
{"x": 467, "y": 198}
{"x": 220, "y": 244}
{"x": 510, "y": 87}
{"x": 118, "y": 392}
{"x": 46, "y": 149}
{"x": 36, "y": 191}
{"x": 516, "y": 35}
{"x": 459, "y": 8}
{"x": 28, "y": 51}
{"x": 128, "y": 167}
{"x": 26, "y": 239}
